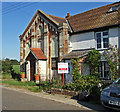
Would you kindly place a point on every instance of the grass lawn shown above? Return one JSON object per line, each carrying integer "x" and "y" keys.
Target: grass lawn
{"x": 26, "y": 85}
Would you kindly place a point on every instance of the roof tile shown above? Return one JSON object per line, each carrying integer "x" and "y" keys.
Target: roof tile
{"x": 38, "y": 52}
{"x": 58, "y": 19}
{"x": 74, "y": 54}
{"x": 94, "y": 18}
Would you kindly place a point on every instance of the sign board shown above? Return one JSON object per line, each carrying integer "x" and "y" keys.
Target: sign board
{"x": 62, "y": 68}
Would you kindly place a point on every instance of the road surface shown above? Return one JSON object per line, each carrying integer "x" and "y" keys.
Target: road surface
{"x": 15, "y": 100}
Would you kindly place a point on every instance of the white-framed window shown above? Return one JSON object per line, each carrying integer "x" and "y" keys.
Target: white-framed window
{"x": 104, "y": 70}
{"x": 70, "y": 43}
{"x": 102, "y": 39}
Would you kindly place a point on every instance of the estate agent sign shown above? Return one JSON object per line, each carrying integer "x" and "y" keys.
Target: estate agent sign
{"x": 63, "y": 68}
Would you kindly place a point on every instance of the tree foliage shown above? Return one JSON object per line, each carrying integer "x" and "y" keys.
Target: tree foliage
{"x": 93, "y": 60}
{"x": 113, "y": 58}
{"x": 76, "y": 68}
{"x": 6, "y": 64}
{"x": 86, "y": 82}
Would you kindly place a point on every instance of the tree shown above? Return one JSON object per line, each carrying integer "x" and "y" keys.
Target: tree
{"x": 113, "y": 58}
{"x": 14, "y": 62}
{"x": 6, "y": 65}
{"x": 76, "y": 70}
{"x": 86, "y": 82}
{"x": 93, "y": 60}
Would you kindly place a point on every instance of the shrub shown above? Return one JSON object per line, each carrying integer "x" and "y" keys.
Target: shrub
{"x": 22, "y": 72}
{"x": 6, "y": 76}
{"x": 86, "y": 82}
{"x": 57, "y": 84}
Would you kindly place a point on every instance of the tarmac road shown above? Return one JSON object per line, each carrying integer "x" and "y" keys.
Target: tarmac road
{"x": 15, "y": 100}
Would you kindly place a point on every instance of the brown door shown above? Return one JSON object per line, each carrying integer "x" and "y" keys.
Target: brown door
{"x": 32, "y": 70}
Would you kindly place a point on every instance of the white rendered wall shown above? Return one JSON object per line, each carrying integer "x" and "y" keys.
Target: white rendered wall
{"x": 87, "y": 40}
{"x": 119, "y": 36}
{"x": 83, "y": 41}
{"x": 113, "y": 36}
{"x": 28, "y": 70}
{"x": 42, "y": 65}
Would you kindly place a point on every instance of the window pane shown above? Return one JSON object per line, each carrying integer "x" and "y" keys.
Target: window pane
{"x": 106, "y": 69}
{"x": 99, "y": 41}
{"x": 98, "y": 46}
{"x": 105, "y": 33}
{"x": 105, "y": 40}
{"x": 98, "y": 35}
{"x": 101, "y": 69}
{"x": 105, "y": 73}
{"x": 105, "y": 45}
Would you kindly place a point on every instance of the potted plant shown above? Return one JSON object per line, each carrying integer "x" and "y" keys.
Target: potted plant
{"x": 36, "y": 76}
{"x": 22, "y": 75}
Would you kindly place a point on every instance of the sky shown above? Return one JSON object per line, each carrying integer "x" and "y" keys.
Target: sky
{"x": 17, "y": 15}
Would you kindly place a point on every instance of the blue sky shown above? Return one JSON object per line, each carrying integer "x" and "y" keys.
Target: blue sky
{"x": 17, "y": 15}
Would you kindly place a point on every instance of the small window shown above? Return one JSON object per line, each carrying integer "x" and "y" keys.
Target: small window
{"x": 114, "y": 8}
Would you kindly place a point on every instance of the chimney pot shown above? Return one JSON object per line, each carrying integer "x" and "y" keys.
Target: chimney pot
{"x": 68, "y": 15}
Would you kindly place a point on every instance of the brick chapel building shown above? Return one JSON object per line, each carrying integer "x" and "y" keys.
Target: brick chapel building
{"x": 43, "y": 44}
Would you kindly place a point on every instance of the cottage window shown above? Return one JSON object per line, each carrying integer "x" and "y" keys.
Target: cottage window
{"x": 102, "y": 39}
{"x": 104, "y": 70}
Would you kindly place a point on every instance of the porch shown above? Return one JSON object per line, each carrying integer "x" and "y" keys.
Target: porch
{"x": 35, "y": 64}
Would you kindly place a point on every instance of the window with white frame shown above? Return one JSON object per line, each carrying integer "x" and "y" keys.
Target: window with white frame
{"x": 102, "y": 39}
{"x": 104, "y": 70}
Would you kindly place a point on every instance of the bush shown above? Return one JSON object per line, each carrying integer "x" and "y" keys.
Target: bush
{"x": 86, "y": 82}
{"x": 6, "y": 76}
{"x": 57, "y": 84}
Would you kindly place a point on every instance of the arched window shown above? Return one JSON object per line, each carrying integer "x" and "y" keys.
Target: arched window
{"x": 54, "y": 48}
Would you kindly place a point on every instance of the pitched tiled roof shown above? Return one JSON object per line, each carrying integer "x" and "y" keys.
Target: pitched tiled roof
{"x": 38, "y": 53}
{"x": 94, "y": 18}
{"x": 74, "y": 54}
{"x": 58, "y": 19}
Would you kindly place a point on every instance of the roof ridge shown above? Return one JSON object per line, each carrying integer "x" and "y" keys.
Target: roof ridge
{"x": 55, "y": 16}
{"x": 94, "y": 9}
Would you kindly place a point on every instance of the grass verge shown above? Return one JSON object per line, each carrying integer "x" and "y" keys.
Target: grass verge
{"x": 26, "y": 85}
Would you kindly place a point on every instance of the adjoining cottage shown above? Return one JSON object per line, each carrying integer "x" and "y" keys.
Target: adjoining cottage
{"x": 49, "y": 39}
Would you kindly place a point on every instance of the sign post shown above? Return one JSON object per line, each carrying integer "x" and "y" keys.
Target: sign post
{"x": 63, "y": 68}
{"x": 63, "y": 79}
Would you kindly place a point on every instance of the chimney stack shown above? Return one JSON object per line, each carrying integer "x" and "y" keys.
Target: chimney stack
{"x": 68, "y": 15}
